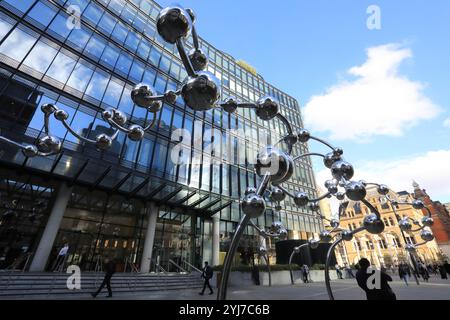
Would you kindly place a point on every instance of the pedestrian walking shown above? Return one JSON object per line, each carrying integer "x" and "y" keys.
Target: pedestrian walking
{"x": 349, "y": 271}
{"x": 443, "y": 272}
{"x": 384, "y": 292}
{"x": 110, "y": 268}
{"x": 338, "y": 271}
{"x": 61, "y": 259}
{"x": 424, "y": 272}
{"x": 207, "y": 274}
{"x": 305, "y": 273}
{"x": 403, "y": 274}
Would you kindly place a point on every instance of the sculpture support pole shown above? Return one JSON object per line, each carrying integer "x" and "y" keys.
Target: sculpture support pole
{"x": 327, "y": 268}
{"x": 266, "y": 259}
{"x": 222, "y": 291}
{"x": 290, "y": 261}
{"x": 187, "y": 63}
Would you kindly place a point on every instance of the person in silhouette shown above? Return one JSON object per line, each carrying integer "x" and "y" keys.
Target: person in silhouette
{"x": 338, "y": 271}
{"x": 60, "y": 260}
{"x": 110, "y": 268}
{"x": 384, "y": 292}
{"x": 207, "y": 275}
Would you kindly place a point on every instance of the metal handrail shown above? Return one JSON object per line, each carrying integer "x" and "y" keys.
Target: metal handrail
{"x": 192, "y": 266}
{"x": 176, "y": 265}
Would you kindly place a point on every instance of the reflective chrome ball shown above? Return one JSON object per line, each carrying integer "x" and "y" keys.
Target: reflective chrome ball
{"x": 276, "y": 163}
{"x": 262, "y": 250}
{"x": 334, "y": 223}
{"x": 61, "y": 115}
{"x": 201, "y": 92}
{"x": 342, "y": 169}
{"x": 48, "y": 108}
{"x": 303, "y": 135}
{"x": 301, "y": 199}
{"x": 332, "y": 186}
{"x": 230, "y": 104}
{"x": 340, "y": 195}
{"x": 49, "y": 144}
{"x": 141, "y": 95}
{"x": 173, "y": 23}
{"x": 250, "y": 190}
{"x": 170, "y": 96}
{"x": 355, "y": 190}
{"x": 30, "y": 151}
{"x": 276, "y": 226}
{"x": 325, "y": 236}
{"x": 199, "y": 59}
{"x": 277, "y": 194}
{"x": 136, "y": 132}
{"x": 267, "y": 108}
{"x": 347, "y": 235}
{"x": 103, "y": 141}
{"x": 313, "y": 243}
{"x": 410, "y": 248}
{"x": 405, "y": 224}
{"x": 296, "y": 249}
{"x": 427, "y": 221}
{"x": 426, "y": 235}
{"x": 330, "y": 158}
{"x": 278, "y": 207}
{"x": 282, "y": 234}
{"x": 418, "y": 204}
{"x": 338, "y": 151}
{"x": 314, "y": 206}
{"x": 119, "y": 117}
{"x": 372, "y": 224}
{"x": 253, "y": 205}
{"x": 383, "y": 189}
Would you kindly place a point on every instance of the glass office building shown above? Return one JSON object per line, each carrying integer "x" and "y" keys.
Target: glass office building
{"x": 85, "y": 56}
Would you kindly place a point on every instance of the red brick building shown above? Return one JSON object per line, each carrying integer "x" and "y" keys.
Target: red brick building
{"x": 441, "y": 217}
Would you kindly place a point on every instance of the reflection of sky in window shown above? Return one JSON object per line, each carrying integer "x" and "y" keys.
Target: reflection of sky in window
{"x": 92, "y": 13}
{"x": 97, "y": 86}
{"x": 113, "y": 93}
{"x": 137, "y": 70}
{"x": 22, "y": 5}
{"x": 80, "y": 3}
{"x": 80, "y": 124}
{"x": 59, "y": 26}
{"x": 56, "y": 127}
{"x": 110, "y": 55}
{"x": 79, "y": 37}
{"x": 37, "y": 120}
{"x": 107, "y": 23}
{"x": 95, "y": 46}
{"x": 17, "y": 45}
{"x": 120, "y": 33}
{"x": 124, "y": 63}
{"x": 61, "y": 68}
{"x": 4, "y": 28}
{"x": 145, "y": 153}
{"x": 40, "y": 57}
{"x": 42, "y": 13}
{"x": 126, "y": 104}
{"x": 149, "y": 76}
{"x": 80, "y": 77}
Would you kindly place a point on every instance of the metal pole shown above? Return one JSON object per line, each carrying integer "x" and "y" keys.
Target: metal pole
{"x": 327, "y": 268}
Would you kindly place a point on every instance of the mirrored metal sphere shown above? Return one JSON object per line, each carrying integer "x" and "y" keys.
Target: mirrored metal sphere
{"x": 325, "y": 236}
{"x": 119, "y": 117}
{"x": 278, "y": 207}
{"x": 173, "y": 23}
{"x": 426, "y": 235}
{"x": 191, "y": 14}
{"x": 277, "y": 194}
{"x": 303, "y": 135}
{"x": 276, "y": 163}
{"x": 410, "y": 248}
{"x": 372, "y": 224}
{"x": 338, "y": 151}
{"x": 30, "y": 151}
{"x": 136, "y": 132}
{"x": 405, "y": 224}
{"x": 253, "y": 205}
{"x": 199, "y": 59}
{"x": 230, "y": 104}
{"x": 283, "y": 233}
{"x": 342, "y": 169}
{"x": 103, "y": 141}
{"x": 170, "y": 96}
{"x": 141, "y": 94}
{"x": 355, "y": 190}
{"x": 383, "y": 189}
{"x": 340, "y": 195}
{"x": 314, "y": 206}
{"x": 61, "y": 115}
{"x": 418, "y": 204}
{"x": 301, "y": 199}
{"x": 267, "y": 108}
{"x": 49, "y": 144}
{"x": 347, "y": 235}
{"x": 332, "y": 186}
{"x": 201, "y": 92}
{"x": 276, "y": 226}
{"x": 330, "y": 158}
{"x": 249, "y": 190}
{"x": 48, "y": 108}
{"x": 334, "y": 223}
{"x": 262, "y": 250}
{"x": 296, "y": 249}
{"x": 427, "y": 221}
{"x": 313, "y": 243}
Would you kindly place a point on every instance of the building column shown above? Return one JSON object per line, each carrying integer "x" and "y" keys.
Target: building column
{"x": 152, "y": 212}
{"x": 216, "y": 240}
{"x": 51, "y": 228}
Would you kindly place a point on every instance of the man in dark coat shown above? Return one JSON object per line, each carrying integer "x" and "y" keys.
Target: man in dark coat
{"x": 384, "y": 292}
{"x": 110, "y": 268}
{"x": 207, "y": 275}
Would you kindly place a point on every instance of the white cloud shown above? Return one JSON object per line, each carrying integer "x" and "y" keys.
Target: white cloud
{"x": 430, "y": 170}
{"x": 379, "y": 101}
{"x": 447, "y": 123}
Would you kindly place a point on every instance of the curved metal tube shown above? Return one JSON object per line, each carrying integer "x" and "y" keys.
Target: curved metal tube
{"x": 371, "y": 207}
{"x": 308, "y": 154}
{"x": 285, "y": 191}
{"x": 64, "y": 122}
{"x": 291, "y": 273}
{"x": 285, "y": 122}
{"x": 152, "y": 123}
{"x": 12, "y": 142}
{"x": 266, "y": 259}
{"x": 185, "y": 59}
{"x": 323, "y": 142}
{"x": 321, "y": 197}
{"x": 327, "y": 268}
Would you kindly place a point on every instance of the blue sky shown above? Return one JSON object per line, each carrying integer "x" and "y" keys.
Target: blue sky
{"x": 307, "y": 49}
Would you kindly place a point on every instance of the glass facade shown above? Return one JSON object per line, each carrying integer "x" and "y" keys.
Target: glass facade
{"x": 85, "y": 56}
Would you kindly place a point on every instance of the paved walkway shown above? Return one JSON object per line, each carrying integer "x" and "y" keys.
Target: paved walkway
{"x": 435, "y": 289}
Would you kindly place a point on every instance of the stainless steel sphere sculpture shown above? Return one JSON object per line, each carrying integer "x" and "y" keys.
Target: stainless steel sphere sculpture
{"x": 277, "y": 231}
